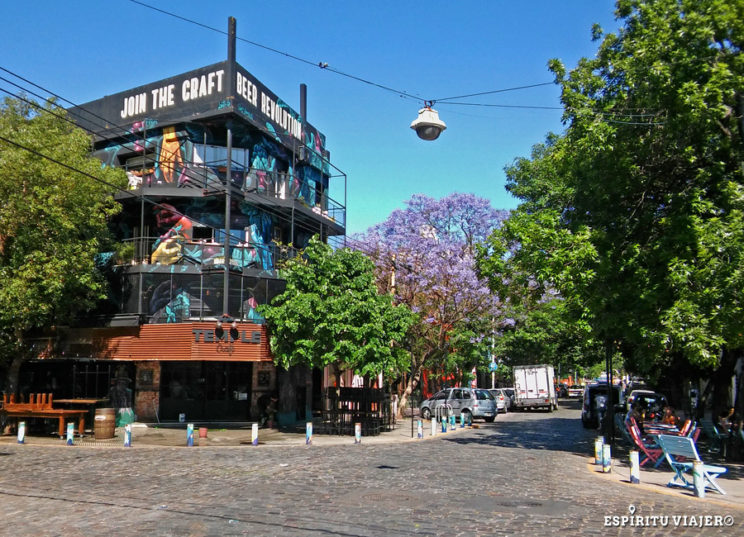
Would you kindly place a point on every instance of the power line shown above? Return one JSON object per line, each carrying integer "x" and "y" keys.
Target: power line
{"x": 493, "y": 91}
{"x": 324, "y": 65}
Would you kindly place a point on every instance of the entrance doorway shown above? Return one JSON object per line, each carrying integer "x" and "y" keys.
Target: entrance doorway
{"x": 212, "y": 391}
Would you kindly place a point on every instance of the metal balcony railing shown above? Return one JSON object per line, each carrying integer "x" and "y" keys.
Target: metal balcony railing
{"x": 212, "y": 177}
{"x": 205, "y": 254}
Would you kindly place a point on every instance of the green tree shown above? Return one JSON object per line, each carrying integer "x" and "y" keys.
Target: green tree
{"x": 53, "y": 222}
{"x": 332, "y": 315}
{"x": 635, "y": 214}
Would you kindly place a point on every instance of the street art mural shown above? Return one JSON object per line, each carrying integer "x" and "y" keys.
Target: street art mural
{"x": 155, "y": 157}
{"x": 251, "y": 246}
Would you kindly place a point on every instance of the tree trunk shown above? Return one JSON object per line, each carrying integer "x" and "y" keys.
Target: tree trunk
{"x": 11, "y": 386}
{"x": 14, "y": 371}
{"x": 411, "y": 384}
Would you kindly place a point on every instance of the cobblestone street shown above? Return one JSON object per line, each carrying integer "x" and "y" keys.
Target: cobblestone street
{"x": 525, "y": 474}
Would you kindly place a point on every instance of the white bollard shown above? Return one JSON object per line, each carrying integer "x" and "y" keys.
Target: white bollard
{"x": 254, "y": 434}
{"x": 420, "y": 429}
{"x": 598, "y": 446}
{"x": 606, "y": 459}
{"x": 357, "y": 433}
{"x": 128, "y": 435}
{"x": 190, "y": 435}
{"x": 433, "y": 426}
{"x": 70, "y": 433}
{"x": 309, "y": 433}
{"x": 697, "y": 479}
{"x": 635, "y": 467}
{"x": 21, "y": 432}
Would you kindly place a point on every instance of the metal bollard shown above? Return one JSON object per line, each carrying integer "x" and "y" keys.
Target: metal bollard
{"x": 444, "y": 424}
{"x": 70, "y": 433}
{"x": 128, "y": 435}
{"x": 190, "y": 435}
{"x": 254, "y": 434}
{"x": 420, "y": 429}
{"x": 452, "y": 422}
{"x": 598, "y": 446}
{"x": 635, "y": 467}
{"x": 606, "y": 459}
{"x": 357, "y": 433}
{"x": 308, "y": 433}
{"x": 21, "y": 432}
{"x": 697, "y": 479}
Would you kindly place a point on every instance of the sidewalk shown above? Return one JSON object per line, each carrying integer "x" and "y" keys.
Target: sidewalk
{"x": 656, "y": 479}
{"x": 230, "y": 435}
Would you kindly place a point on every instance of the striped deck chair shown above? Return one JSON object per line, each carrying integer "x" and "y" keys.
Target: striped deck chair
{"x": 651, "y": 452}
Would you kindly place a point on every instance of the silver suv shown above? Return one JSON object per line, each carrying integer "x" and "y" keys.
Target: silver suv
{"x": 474, "y": 401}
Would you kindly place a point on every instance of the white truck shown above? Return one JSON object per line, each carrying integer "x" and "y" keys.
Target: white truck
{"x": 534, "y": 387}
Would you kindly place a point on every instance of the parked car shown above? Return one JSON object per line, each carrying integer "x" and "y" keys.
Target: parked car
{"x": 477, "y": 402}
{"x": 502, "y": 400}
{"x": 595, "y": 402}
{"x": 653, "y": 403}
{"x": 509, "y": 392}
{"x": 575, "y": 391}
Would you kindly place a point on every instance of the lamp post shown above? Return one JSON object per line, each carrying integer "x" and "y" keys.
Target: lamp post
{"x": 228, "y": 200}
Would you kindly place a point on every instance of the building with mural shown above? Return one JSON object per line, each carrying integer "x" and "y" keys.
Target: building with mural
{"x": 225, "y": 180}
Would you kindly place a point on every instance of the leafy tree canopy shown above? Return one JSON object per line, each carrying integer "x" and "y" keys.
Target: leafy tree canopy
{"x": 635, "y": 214}
{"x": 53, "y": 220}
{"x": 332, "y": 314}
{"x": 425, "y": 255}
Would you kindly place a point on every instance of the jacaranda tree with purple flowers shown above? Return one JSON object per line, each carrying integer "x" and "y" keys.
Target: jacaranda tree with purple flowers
{"x": 424, "y": 255}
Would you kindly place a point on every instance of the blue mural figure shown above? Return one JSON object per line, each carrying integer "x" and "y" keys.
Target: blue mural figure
{"x": 250, "y": 313}
{"x": 261, "y": 163}
{"x": 178, "y": 308}
{"x": 259, "y": 233}
{"x": 169, "y": 304}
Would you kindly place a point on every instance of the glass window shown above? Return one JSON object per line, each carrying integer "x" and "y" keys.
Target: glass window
{"x": 483, "y": 395}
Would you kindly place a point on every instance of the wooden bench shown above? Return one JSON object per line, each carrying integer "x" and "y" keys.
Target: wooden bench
{"x": 39, "y": 405}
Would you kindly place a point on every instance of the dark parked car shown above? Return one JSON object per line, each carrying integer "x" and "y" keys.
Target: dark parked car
{"x": 509, "y": 392}
{"x": 595, "y": 402}
{"x": 651, "y": 402}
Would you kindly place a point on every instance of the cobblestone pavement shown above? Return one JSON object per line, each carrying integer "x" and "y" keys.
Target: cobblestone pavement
{"x": 526, "y": 474}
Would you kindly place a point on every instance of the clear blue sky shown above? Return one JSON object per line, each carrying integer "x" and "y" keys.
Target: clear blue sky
{"x": 85, "y": 49}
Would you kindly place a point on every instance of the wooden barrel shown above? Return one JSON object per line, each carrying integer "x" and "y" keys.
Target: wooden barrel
{"x": 105, "y": 423}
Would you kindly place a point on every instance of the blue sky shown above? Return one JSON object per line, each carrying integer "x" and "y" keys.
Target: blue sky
{"x": 85, "y": 49}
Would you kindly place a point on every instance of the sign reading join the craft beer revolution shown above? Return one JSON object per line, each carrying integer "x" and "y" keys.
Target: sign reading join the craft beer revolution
{"x": 197, "y": 94}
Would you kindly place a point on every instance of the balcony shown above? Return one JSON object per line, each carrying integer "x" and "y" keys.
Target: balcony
{"x": 149, "y": 253}
{"x": 279, "y": 190}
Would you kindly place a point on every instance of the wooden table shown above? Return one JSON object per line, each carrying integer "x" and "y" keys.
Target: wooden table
{"x": 59, "y": 413}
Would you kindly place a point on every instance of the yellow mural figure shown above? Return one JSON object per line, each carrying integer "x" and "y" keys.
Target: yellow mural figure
{"x": 170, "y": 158}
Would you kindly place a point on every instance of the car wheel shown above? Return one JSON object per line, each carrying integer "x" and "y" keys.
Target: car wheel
{"x": 426, "y": 413}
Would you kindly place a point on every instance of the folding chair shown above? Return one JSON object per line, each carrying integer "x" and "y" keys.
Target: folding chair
{"x": 719, "y": 440}
{"x": 686, "y": 428}
{"x": 651, "y": 452}
{"x": 680, "y": 452}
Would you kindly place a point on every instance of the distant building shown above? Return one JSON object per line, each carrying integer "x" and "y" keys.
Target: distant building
{"x": 210, "y": 154}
